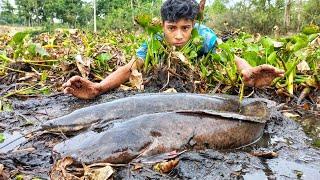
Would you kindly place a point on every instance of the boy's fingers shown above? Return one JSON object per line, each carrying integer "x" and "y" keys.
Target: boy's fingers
{"x": 279, "y": 71}
{"x": 66, "y": 84}
{"x": 68, "y": 90}
{"x": 75, "y": 79}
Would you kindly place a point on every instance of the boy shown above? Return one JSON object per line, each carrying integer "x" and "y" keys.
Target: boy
{"x": 178, "y": 20}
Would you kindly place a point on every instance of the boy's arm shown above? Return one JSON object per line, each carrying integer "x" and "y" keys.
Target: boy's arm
{"x": 85, "y": 89}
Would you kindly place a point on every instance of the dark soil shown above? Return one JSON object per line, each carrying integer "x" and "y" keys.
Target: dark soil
{"x": 297, "y": 158}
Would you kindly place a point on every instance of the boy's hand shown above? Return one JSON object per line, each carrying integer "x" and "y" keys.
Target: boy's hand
{"x": 81, "y": 88}
{"x": 260, "y": 76}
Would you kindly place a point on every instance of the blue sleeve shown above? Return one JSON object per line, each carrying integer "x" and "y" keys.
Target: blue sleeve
{"x": 209, "y": 38}
{"x": 142, "y": 51}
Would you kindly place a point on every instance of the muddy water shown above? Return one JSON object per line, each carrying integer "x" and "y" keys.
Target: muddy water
{"x": 297, "y": 158}
{"x": 311, "y": 126}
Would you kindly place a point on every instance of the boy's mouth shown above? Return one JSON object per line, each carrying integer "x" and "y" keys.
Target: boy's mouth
{"x": 179, "y": 44}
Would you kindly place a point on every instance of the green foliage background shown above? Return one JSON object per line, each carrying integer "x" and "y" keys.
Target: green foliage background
{"x": 222, "y": 15}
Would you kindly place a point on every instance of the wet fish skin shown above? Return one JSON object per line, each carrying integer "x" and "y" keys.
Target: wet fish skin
{"x": 143, "y": 104}
{"x": 137, "y": 105}
{"x": 152, "y": 134}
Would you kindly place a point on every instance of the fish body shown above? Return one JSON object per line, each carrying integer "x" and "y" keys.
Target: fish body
{"x": 137, "y": 105}
{"x": 151, "y": 134}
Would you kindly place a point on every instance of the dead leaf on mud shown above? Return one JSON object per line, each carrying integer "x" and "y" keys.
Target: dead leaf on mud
{"x": 103, "y": 173}
{"x": 267, "y": 155}
{"x": 159, "y": 157}
{"x": 170, "y": 90}
{"x": 166, "y": 166}
{"x": 124, "y": 87}
{"x": 136, "y": 80}
{"x": 3, "y": 175}
{"x": 137, "y": 166}
{"x": 182, "y": 58}
{"x": 290, "y": 115}
{"x": 1, "y": 168}
{"x": 303, "y": 66}
{"x": 83, "y": 65}
{"x": 59, "y": 172}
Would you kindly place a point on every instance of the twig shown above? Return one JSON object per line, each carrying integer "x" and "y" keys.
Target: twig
{"x": 168, "y": 78}
{"x": 252, "y": 92}
{"x": 216, "y": 88}
{"x": 14, "y": 69}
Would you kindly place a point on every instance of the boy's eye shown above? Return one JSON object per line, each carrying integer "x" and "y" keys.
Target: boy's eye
{"x": 171, "y": 28}
{"x": 186, "y": 28}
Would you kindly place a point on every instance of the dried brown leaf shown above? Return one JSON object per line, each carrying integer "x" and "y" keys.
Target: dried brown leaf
{"x": 170, "y": 90}
{"x": 103, "y": 173}
{"x": 83, "y": 65}
{"x": 136, "y": 80}
{"x": 267, "y": 155}
{"x": 137, "y": 166}
{"x": 59, "y": 172}
{"x": 166, "y": 166}
{"x": 1, "y": 168}
{"x": 124, "y": 87}
{"x": 303, "y": 66}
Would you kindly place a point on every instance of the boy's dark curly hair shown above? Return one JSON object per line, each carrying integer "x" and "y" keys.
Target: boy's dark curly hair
{"x": 173, "y": 10}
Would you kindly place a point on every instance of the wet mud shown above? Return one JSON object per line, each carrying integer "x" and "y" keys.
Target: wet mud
{"x": 297, "y": 157}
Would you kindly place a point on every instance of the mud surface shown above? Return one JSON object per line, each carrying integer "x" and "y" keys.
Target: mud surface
{"x": 297, "y": 158}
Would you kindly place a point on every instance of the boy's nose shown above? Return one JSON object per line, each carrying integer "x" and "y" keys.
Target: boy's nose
{"x": 179, "y": 35}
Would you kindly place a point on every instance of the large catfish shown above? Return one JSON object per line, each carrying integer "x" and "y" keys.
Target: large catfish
{"x": 129, "y": 107}
{"x": 151, "y": 134}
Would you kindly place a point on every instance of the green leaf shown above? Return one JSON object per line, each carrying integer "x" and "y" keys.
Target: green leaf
{"x": 143, "y": 20}
{"x": 18, "y": 37}
{"x": 272, "y": 58}
{"x": 44, "y": 76}
{"x": 35, "y": 49}
{"x": 19, "y": 177}
{"x": 252, "y": 58}
{"x": 32, "y": 49}
{"x": 104, "y": 57}
{"x": 267, "y": 43}
{"x": 2, "y": 138}
{"x": 254, "y": 47}
{"x": 300, "y": 41}
{"x": 5, "y": 106}
{"x": 149, "y": 24}
{"x": 204, "y": 70}
{"x": 193, "y": 55}
{"x": 310, "y": 29}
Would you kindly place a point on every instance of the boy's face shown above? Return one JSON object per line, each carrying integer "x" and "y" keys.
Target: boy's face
{"x": 178, "y": 33}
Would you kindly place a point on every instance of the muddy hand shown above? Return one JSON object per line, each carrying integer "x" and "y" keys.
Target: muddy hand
{"x": 81, "y": 88}
{"x": 261, "y": 76}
